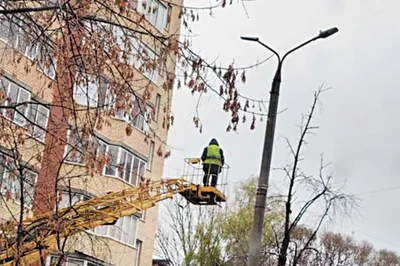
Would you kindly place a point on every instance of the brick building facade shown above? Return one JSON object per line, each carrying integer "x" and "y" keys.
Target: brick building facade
{"x": 131, "y": 240}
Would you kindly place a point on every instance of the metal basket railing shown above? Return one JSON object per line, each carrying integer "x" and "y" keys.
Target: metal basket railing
{"x": 193, "y": 172}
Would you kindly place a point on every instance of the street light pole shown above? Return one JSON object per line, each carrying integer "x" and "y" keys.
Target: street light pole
{"x": 259, "y": 209}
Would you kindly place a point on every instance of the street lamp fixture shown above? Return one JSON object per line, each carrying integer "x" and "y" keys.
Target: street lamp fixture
{"x": 252, "y": 39}
{"x": 322, "y": 34}
{"x": 259, "y": 208}
{"x": 327, "y": 33}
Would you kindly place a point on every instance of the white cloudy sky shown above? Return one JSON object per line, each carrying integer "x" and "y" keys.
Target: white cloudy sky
{"x": 359, "y": 130}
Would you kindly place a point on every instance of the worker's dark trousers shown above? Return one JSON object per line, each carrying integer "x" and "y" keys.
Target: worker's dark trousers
{"x": 210, "y": 170}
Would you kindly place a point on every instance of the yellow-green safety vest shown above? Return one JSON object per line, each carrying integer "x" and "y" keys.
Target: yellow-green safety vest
{"x": 213, "y": 155}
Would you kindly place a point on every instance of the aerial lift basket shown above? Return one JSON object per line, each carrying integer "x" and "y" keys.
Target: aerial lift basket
{"x": 204, "y": 195}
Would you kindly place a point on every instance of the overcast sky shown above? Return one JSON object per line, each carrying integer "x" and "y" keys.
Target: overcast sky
{"x": 359, "y": 129}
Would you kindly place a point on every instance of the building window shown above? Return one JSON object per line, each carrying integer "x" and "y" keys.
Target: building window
{"x": 139, "y": 121}
{"x": 135, "y": 53}
{"x": 137, "y": 171}
{"x": 123, "y": 231}
{"x": 146, "y": 55}
{"x": 138, "y": 247}
{"x": 38, "y": 116}
{"x": 133, "y": 111}
{"x": 16, "y": 96}
{"x": 142, "y": 215}
{"x": 121, "y": 163}
{"x": 15, "y": 36}
{"x": 69, "y": 199}
{"x": 10, "y": 181}
{"x": 125, "y": 52}
{"x": 47, "y": 65}
{"x": 157, "y": 107}
{"x": 74, "y": 150}
{"x": 8, "y": 32}
{"x": 26, "y": 46}
{"x": 155, "y": 12}
{"x": 151, "y": 155}
{"x": 54, "y": 260}
{"x": 124, "y": 165}
{"x": 123, "y": 107}
{"x": 91, "y": 91}
{"x": 112, "y": 152}
{"x": 127, "y": 108}
{"x": 74, "y": 262}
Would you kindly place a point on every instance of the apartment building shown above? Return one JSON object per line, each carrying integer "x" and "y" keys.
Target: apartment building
{"x": 33, "y": 143}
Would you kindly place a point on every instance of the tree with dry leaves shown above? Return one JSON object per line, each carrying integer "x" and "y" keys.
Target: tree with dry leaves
{"x": 69, "y": 69}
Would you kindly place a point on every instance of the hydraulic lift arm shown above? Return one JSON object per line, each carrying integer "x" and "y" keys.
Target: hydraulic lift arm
{"x": 40, "y": 234}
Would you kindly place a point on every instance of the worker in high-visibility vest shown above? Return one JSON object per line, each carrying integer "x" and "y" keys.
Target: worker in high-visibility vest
{"x": 213, "y": 161}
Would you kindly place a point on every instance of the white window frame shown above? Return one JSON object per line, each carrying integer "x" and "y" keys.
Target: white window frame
{"x": 138, "y": 176}
{"x": 122, "y": 171}
{"x": 15, "y": 182}
{"x": 117, "y": 159}
{"x": 26, "y": 114}
{"x": 161, "y": 22}
{"x": 138, "y": 47}
{"x": 110, "y": 231}
{"x": 9, "y": 26}
{"x": 31, "y": 51}
{"x": 138, "y": 247}
{"x": 133, "y": 180}
{"x": 85, "y": 93}
{"x": 69, "y": 259}
{"x": 34, "y": 123}
{"x": 76, "y": 198}
{"x": 142, "y": 49}
{"x": 68, "y": 150}
{"x": 126, "y": 113}
{"x": 108, "y": 228}
{"x": 153, "y": 14}
{"x": 157, "y": 106}
{"x": 6, "y": 103}
{"x": 141, "y": 121}
{"x": 143, "y": 214}
{"x": 117, "y": 228}
{"x": 17, "y": 36}
{"x": 48, "y": 71}
{"x": 151, "y": 155}
{"x": 134, "y": 115}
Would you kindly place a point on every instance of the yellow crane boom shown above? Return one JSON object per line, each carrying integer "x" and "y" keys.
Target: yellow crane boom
{"x": 38, "y": 235}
